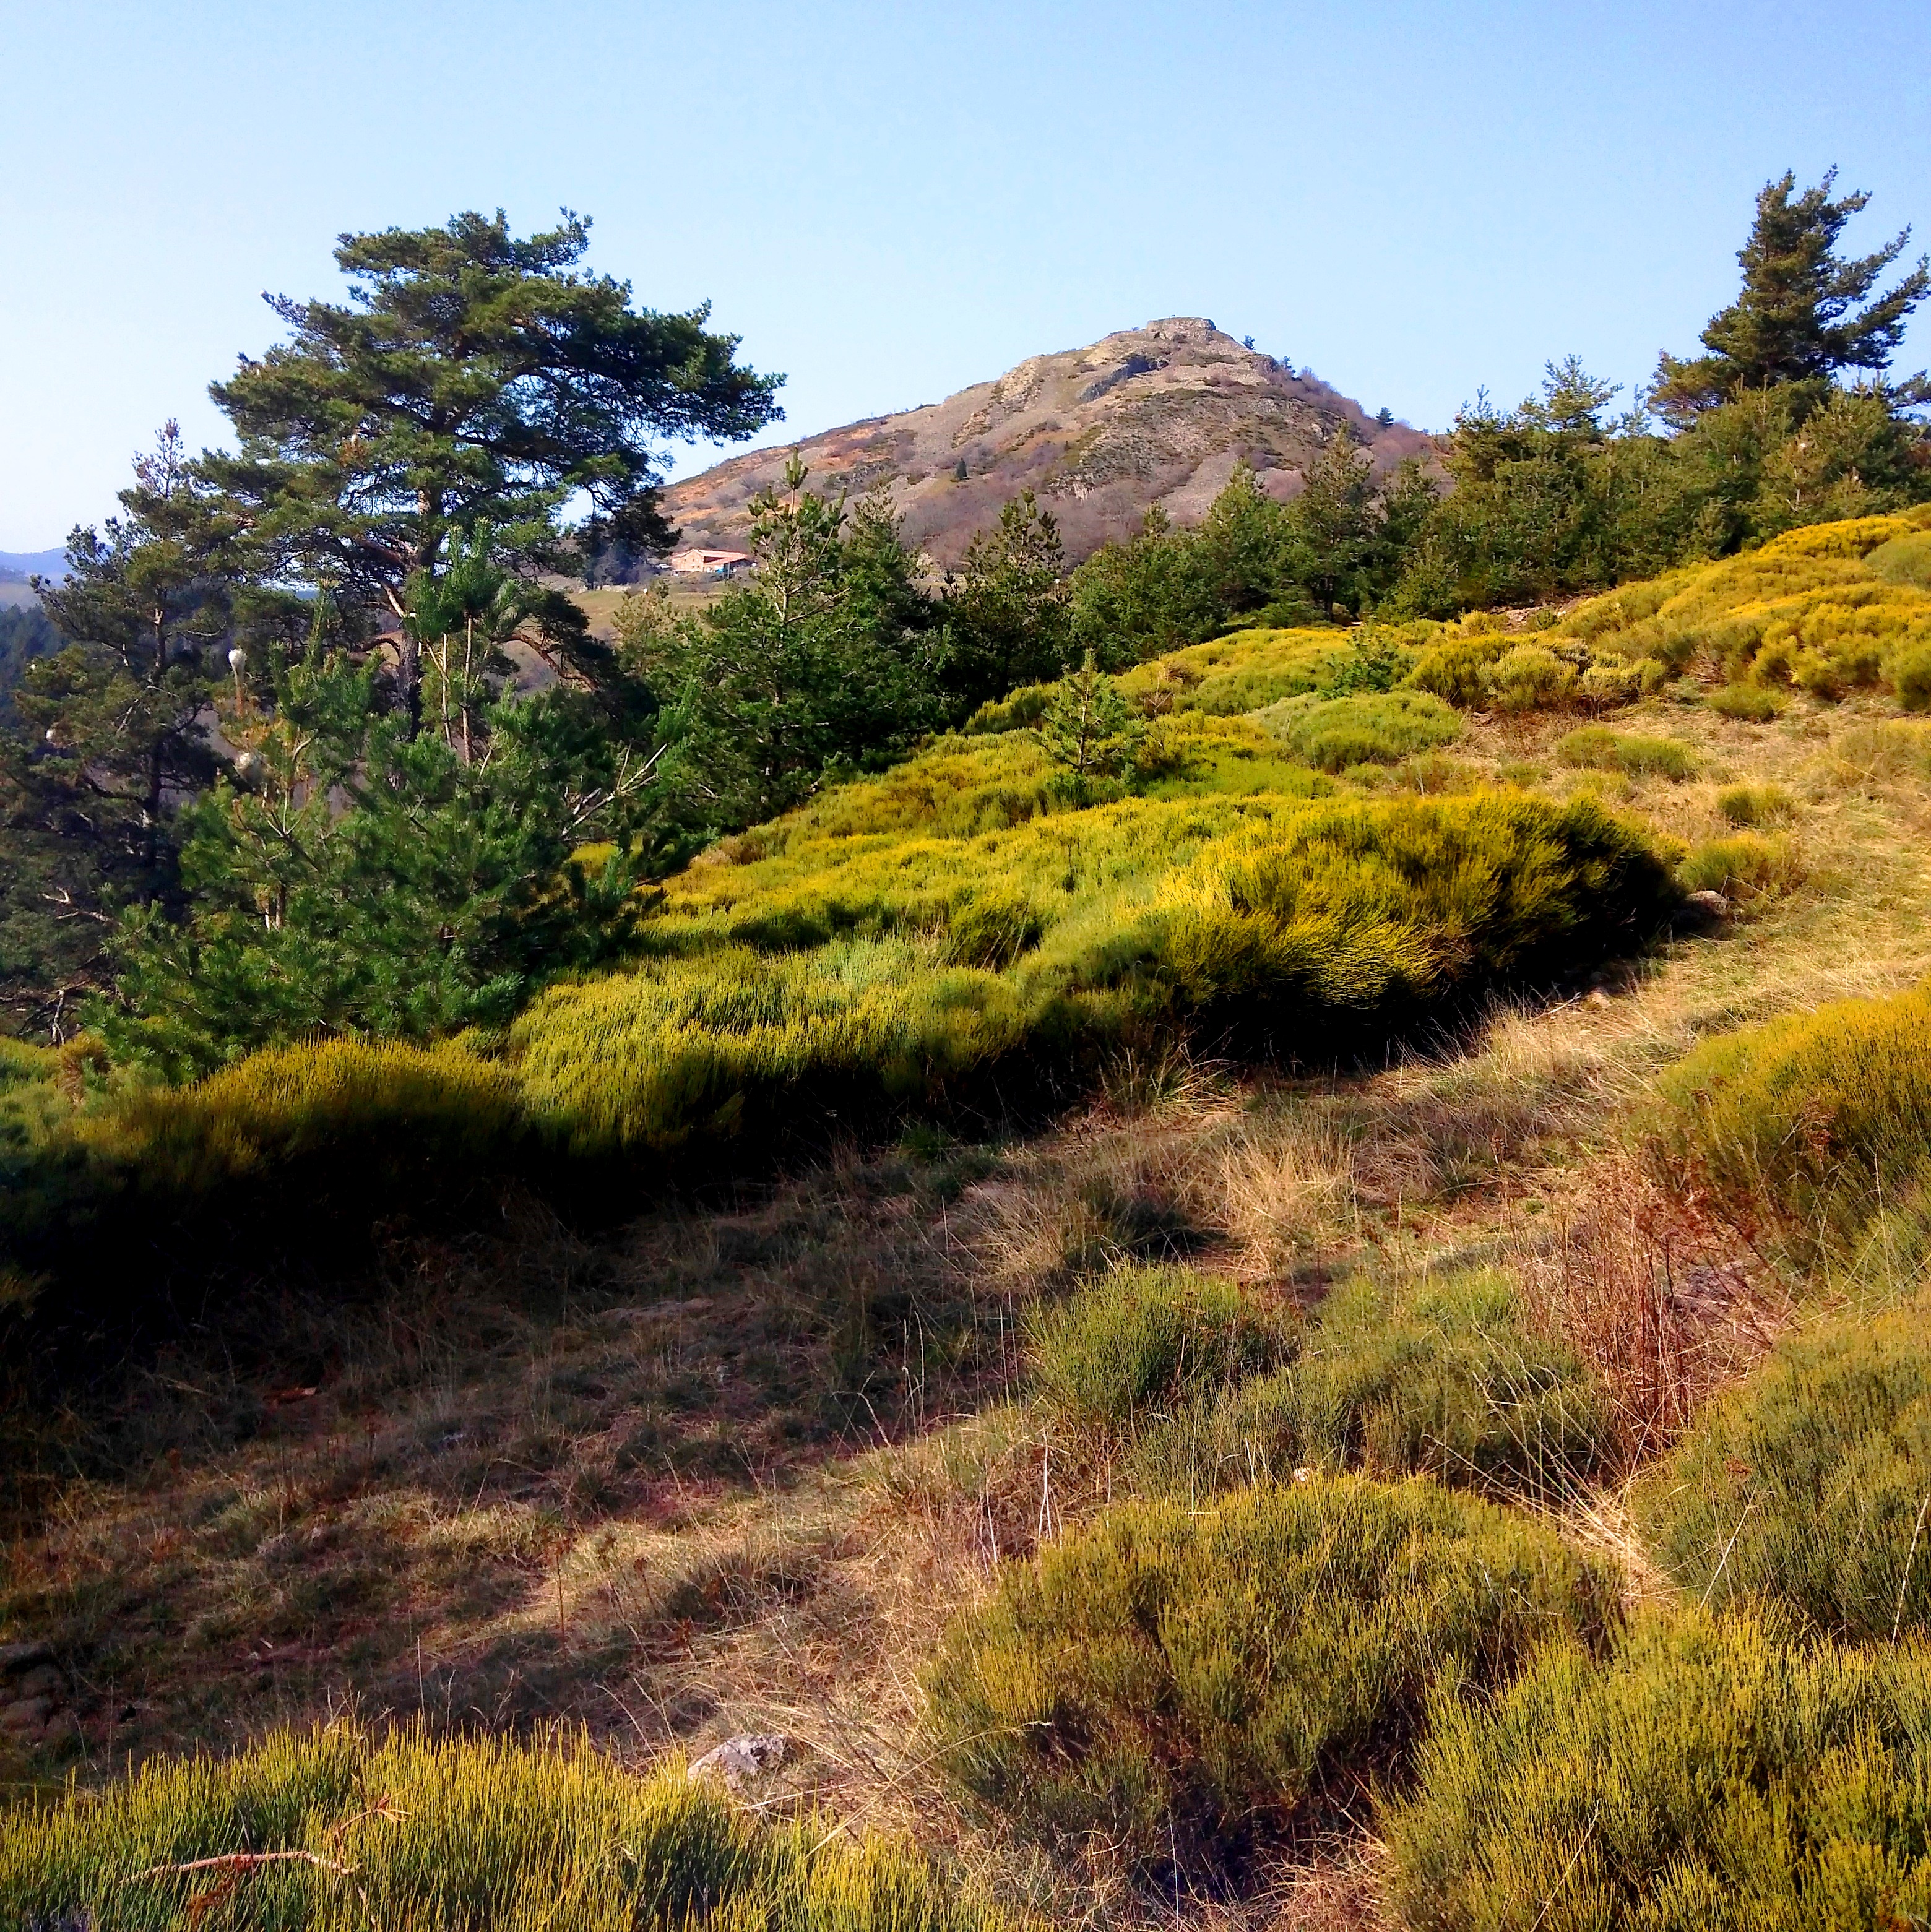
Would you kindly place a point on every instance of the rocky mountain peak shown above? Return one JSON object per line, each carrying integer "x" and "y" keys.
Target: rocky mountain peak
{"x": 1161, "y": 414}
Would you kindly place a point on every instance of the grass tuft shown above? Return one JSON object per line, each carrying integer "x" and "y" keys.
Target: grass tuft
{"x": 443, "y": 1836}
{"x": 1808, "y": 1484}
{"x": 1140, "y": 1340}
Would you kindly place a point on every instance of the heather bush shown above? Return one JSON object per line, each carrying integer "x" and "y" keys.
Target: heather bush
{"x": 1807, "y": 1484}
{"x": 1188, "y": 1681}
{"x": 1713, "y": 1777}
{"x": 338, "y": 1830}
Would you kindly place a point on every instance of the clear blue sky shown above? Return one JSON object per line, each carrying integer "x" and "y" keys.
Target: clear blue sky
{"x": 888, "y": 202}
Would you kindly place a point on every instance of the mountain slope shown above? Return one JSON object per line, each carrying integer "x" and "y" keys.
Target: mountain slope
{"x": 1160, "y": 414}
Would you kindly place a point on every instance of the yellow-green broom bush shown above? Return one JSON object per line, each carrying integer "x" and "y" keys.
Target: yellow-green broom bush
{"x": 1714, "y": 1778}
{"x": 1807, "y": 1483}
{"x": 1809, "y": 609}
{"x": 1374, "y": 728}
{"x": 1436, "y": 1375}
{"x": 1139, "y": 1341}
{"x": 1242, "y": 671}
{"x": 1455, "y": 668}
{"x": 450, "y": 1836}
{"x": 1295, "y": 925}
{"x": 1184, "y": 1682}
{"x": 1903, "y": 560}
{"x": 1817, "y": 1125}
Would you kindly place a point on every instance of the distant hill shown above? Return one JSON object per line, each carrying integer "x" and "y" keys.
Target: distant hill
{"x": 17, "y": 565}
{"x": 1160, "y": 414}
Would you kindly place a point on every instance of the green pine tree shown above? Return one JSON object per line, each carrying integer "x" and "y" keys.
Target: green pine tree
{"x": 1006, "y": 608}
{"x": 473, "y": 379}
{"x": 1089, "y": 730}
{"x": 1806, "y": 314}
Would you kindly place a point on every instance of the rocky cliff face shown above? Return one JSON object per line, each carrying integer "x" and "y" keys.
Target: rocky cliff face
{"x": 1160, "y": 414}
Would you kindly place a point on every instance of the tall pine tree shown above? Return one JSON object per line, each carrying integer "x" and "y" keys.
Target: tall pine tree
{"x": 1806, "y": 315}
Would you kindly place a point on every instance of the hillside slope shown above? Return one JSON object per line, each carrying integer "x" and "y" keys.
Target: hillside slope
{"x": 1109, "y": 1506}
{"x": 1159, "y": 414}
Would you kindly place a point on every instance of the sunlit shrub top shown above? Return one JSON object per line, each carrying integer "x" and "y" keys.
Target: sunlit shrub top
{"x": 446, "y": 1836}
{"x": 1808, "y": 609}
{"x": 1816, "y": 1123}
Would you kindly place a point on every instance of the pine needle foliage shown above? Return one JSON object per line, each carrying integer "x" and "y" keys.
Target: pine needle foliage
{"x": 338, "y": 1829}
{"x": 1188, "y": 1683}
{"x": 1716, "y": 1777}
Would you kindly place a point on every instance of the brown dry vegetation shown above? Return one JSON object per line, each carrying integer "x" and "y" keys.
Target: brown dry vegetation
{"x": 733, "y": 1469}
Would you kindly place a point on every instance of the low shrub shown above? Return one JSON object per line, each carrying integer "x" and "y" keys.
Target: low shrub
{"x": 1756, "y": 703}
{"x": 1903, "y": 560}
{"x": 1828, "y": 609}
{"x": 1138, "y": 1340}
{"x": 1807, "y": 1484}
{"x": 1743, "y": 866}
{"x": 1456, "y": 669}
{"x": 1440, "y": 1377}
{"x": 336, "y": 1831}
{"x": 1241, "y": 672}
{"x": 303, "y": 1132}
{"x": 1752, "y": 805}
{"x": 1598, "y": 746}
{"x": 1020, "y": 710}
{"x": 1816, "y": 1124}
{"x": 1183, "y": 1682}
{"x": 1713, "y": 1777}
{"x": 1296, "y": 926}
{"x": 1377, "y": 728}
{"x": 1911, "y": 677}
{"x": 902, "y": 945}
{"x": 1530, "y": 677}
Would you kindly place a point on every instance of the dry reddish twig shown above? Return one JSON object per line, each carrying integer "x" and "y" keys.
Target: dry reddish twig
{"x": 1666, "y": 1303}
